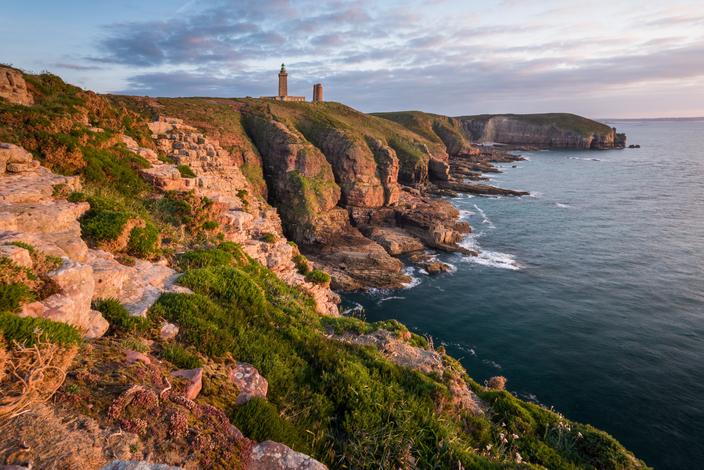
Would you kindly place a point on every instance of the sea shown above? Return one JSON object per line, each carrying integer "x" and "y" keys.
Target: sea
{"x": 588, "y": 295}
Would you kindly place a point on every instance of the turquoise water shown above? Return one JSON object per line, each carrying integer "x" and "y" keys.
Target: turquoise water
{"x": 589, "y": 296}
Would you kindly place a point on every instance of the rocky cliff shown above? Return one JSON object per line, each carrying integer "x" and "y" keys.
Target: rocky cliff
{"x": 154, "y": 306}
{"x": 556, "y": 130}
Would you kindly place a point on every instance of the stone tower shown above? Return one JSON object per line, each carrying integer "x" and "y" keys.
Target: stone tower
{"x": 317, "y": 93}
{"x": 283, "y": 82}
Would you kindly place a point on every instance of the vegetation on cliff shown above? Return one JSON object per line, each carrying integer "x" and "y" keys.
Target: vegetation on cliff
{"x": 333, "y": 393}
{"x": 579, "y": 124}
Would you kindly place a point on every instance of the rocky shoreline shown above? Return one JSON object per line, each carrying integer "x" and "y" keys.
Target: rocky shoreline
{"x": 168, "y": 271}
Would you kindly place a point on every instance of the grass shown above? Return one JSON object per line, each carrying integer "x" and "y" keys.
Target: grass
{"x": 301, "y": 263}
{"x": 181, "y": 357}
{"x": 121, "y": 322}
{"x": 12, "y": 296}
{"x": 29, "y": 330}
{"x": 318, "y": 277}
{"x": 347, "y": 405}
{"x": 260, "y": 420}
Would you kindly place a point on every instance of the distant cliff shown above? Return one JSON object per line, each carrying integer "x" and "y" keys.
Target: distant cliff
{"x": 550, "y": 130}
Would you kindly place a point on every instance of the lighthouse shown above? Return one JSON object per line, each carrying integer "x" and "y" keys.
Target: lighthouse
{"x": 283, "y": 82}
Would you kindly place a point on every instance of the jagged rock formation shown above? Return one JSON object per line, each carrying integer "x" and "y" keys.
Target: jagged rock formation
{"x": 13, "y": 87}
{"x": 397, "y": 349}
{"x": 32, "y": 212}
{"x": 542, "y": 130}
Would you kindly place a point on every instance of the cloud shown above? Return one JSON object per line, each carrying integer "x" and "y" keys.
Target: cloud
{"x": 408, "y": 55}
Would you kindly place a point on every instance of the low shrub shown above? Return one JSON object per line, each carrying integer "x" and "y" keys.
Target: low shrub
{"x": 269, "y": 237}
{"x": 210, "y": 225}
{"x": 12, "y": 296}
{"x": 186, "y": 171}
{"x": 104, "y": 225}
{"x": 144, "y": 242}
{"x": 183, "y": 358}
{"x": 318, "y": 277}
{"x": 27, "y": 330}
{"x": 119, "y": 318}
{"x": 301, "y": 263}
{"x": 259, "y": 419}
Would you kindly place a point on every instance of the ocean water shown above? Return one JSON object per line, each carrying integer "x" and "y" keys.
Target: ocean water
{"x": 589, "y": 294}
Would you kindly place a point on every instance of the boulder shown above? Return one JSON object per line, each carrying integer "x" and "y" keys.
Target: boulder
{"x": 72, "y": 304}
{"x": 195, "y": 381}
{"x": 249, "y": 382}
{"x": 168, "y": 331}
{"x": 269, "y": 455}
{"x": 15, "y": 159}
{"x": 135, "y": 356}
{"x": 394, "y": 240}
{"x": 17, "y": 255}
{"x": 13, "y": 87}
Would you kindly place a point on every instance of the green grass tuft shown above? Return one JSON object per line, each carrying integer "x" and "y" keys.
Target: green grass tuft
{"x": 186, "y": 171}
{"x": 121, "y": 322}
{"x": 144, "y": 242}
{"x": 12, "y": 296}
{"x": 318, "y": 277}
{"x": 26, "y": 330}
{"x": 183, "y": 358}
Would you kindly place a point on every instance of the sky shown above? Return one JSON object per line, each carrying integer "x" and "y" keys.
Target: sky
{"x": 602, "y": 59}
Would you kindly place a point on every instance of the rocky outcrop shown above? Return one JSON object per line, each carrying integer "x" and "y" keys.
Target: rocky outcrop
{"x": 397, "y": 349}
{"x": 356, "y": 262}
{"x": 301, "y": 182}
{"x": 354, "y": 167}
{"x": 387, "y": 169}
{"x": 14, "y": 159}
{"x": 32, "y": 212}
{"x": 394, "y": 240}
{"x": 542, "y": 130}
{"x": 269, "y": 455}
{"x": 13, "y": 87}
{"x": 244, "y": 217}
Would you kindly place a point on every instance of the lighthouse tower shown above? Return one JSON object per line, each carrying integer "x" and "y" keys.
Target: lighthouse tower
{"x": 283, "y": 83}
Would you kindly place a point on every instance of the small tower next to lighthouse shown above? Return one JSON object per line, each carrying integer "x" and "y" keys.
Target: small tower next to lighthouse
{"x": 283, "y": 83}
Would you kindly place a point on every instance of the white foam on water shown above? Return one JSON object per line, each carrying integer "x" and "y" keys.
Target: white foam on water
{"x": 452, "y": 268}
{"x": 535, "y": 194}
{"x": 356, "y": 309}
{"x": 493, "y": 364}
{"x": 392, "y": 297}
{"x": 409, "y": 271}
{"x": 493, "y": 259}
{"x": 562, "y": 206}
{"x": 586, "y": 159}
{"x": 485, "y": 219}
{"x": 465, "y": 214}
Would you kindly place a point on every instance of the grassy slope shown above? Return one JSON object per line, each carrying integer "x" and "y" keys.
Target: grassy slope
{"x": 346, "y": 405}
{"x": 434, "y": 127}
{"x": 578, "y": 124}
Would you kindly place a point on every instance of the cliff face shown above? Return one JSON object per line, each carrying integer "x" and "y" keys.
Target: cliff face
{"x": 153, "y": 308}
{"x": 542, "y": 130}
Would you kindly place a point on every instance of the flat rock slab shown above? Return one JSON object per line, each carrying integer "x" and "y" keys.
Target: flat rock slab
{"x": 137, "y": 465}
